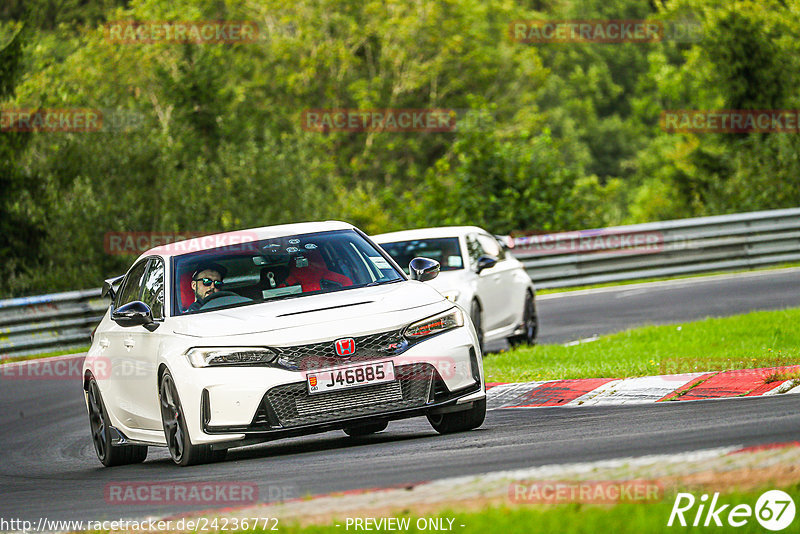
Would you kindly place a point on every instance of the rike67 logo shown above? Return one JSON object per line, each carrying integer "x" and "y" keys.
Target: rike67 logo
{"x": 774, "y": 510}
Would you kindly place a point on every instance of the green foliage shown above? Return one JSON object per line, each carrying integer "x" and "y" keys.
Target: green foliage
{"x": 217, "y": 143}
{"x": 20, "y": 234}
{"x": 747, "y": 59}
{"x": 502, "y": 185}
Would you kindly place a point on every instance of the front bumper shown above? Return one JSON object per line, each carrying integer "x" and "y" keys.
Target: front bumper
{"x": 284, "y": 409}
{"x": 234, "y": 404}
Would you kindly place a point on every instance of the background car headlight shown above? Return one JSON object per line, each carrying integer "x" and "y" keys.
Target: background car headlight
{"x": 452, "y": 318}
{"x": 212, "y": 356}
{"x": 451, "y": 295}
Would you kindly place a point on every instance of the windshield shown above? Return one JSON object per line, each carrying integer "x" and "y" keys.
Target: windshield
{"x": 445, "y": 250}
{"x": 277, "y": 268}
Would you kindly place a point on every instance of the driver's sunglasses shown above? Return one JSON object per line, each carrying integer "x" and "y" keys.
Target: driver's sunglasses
{"x": 208, "y": 281}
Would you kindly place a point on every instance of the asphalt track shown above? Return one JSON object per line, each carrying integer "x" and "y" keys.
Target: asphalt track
{"x": 564, "y": 317}
{"x": 49, "y": 468}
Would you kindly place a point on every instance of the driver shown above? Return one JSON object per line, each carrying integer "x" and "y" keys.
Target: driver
{"x": 206, "y": 280}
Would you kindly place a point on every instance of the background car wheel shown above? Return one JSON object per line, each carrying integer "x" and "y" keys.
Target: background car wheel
{"x": 180, "y": 446}
{"x": 108, "y": 454}
{"x": 530, "y": 322}
{"x": 364, "y": 430}
{"x": 447, "y": 423}
{"x": 475, "y": 315}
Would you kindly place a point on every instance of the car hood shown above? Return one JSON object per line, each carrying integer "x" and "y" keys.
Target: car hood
{"x": 366, "y": 309}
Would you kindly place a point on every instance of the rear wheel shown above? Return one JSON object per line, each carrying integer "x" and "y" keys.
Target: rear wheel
{"x": 475, "y": 315}
{"x": 530, "y": 322}
{"x": 365, "y": 430}
{"x": 108, "y": 453}
{"x": 180, "y": 446}
{"x": 447, "y": 423}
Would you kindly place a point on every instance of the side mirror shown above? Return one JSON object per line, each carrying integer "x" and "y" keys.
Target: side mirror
{"x": 134, "y": 314}
{"x": 486, "y": 262}
{"x": 423, "y": 269}
{"x": 506, "y": 241}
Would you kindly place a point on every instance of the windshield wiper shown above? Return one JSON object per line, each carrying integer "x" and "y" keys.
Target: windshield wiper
{"x": 379, "y": 282}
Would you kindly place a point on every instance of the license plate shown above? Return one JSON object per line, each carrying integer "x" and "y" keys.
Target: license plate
{"x": 349, "y": 377}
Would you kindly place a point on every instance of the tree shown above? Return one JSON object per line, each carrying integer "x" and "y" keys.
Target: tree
{"x": 20, "y": 236}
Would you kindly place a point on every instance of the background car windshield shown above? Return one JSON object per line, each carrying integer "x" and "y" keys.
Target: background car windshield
{"x": 445, "y": 250}
{"x": 283, "y": 267}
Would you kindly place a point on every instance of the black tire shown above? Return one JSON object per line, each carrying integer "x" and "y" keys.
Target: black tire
{"x": 447, "y": 423}
{"x": 365, "y": 430}
{"x": 530, "y": 321}
{"x": 180, "y": 446}
{"x": 477, "y": 320}
{"x": 109, "y": 455}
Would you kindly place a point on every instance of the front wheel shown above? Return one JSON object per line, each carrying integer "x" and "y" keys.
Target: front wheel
{"x": 530, "y": 323}
{"x": 108, "y": 453}
{"x": 447, "y": 423}
{"x": 180, "y": 446}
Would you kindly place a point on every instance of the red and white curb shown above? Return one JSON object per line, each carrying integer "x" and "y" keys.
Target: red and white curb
{"x": 641, "y": 390}
{"x": 571, "y": 393}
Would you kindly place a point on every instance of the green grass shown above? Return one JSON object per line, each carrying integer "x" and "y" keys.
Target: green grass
{"x": 45, "y": 354}
{"x": 758, "y": 339}
{"x": 634, "y": 518}
{"x": 663, "y": 279}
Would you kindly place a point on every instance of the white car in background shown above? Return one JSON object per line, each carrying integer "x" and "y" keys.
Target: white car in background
{"x": 296, "y": 329}
{"x": 479, "y": 274}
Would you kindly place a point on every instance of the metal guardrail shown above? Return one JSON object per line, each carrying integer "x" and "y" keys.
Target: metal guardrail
{"x": 740, "y": 241}
{"x": 43, "y": 323}
{"x": 667, "y": 248}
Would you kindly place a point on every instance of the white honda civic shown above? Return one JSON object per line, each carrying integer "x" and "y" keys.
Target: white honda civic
{"x": 478, "y": 274}
{"x": 232, "y": 339}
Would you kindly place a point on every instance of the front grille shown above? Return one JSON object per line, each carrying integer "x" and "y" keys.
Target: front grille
{"x": 326, "y": 403}
{"x": 293, "y": 406}
{"x": 323, "y": 355}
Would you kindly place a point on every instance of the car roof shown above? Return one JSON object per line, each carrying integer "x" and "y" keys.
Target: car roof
{"x": 422, "y": 233}
{"x": 212, "y": 241}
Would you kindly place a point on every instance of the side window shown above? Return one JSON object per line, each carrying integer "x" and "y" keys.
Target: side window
{"x": 491, "y": 246}
{"x": 132, "y": 284}
{"x": 153, "y": 290}
{"x": 473, "y": 249}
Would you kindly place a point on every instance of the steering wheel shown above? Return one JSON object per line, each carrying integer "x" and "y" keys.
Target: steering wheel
{"x": 218, "y": 294}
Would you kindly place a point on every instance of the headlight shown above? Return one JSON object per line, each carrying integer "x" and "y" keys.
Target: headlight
{"x": 452, "y": 318}
{"x": 451, "y": 295}
{"x": 213, "y": 356}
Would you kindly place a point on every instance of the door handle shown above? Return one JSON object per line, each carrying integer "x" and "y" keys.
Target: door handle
{"x": 103, "y": 343}
{"x": 128, "y": 343}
